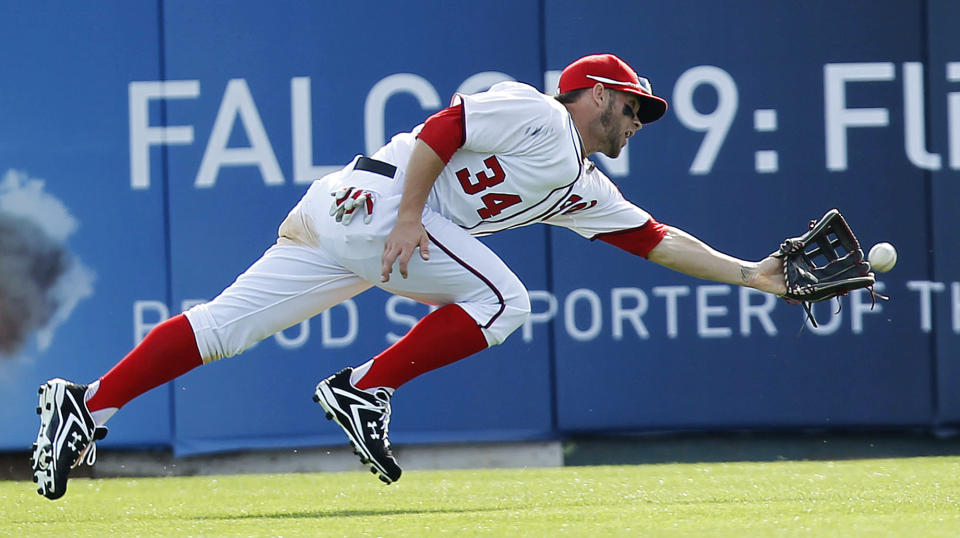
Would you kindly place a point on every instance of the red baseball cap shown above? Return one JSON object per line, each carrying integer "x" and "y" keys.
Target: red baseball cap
{"x": 614, "y": 74}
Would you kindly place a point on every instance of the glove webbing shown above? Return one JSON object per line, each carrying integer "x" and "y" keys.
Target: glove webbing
{"x": 819, "y": 233}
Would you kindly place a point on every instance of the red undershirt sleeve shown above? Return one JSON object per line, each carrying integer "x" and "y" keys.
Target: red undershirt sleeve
{"x": 445, "y": 131}
{"x": 639, "y": 241}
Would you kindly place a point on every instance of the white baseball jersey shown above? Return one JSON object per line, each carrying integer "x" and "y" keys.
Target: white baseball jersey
{"x": 521, "y": 163}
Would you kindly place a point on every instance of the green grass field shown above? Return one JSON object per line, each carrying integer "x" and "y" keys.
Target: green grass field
{"x": 915, "y": 497}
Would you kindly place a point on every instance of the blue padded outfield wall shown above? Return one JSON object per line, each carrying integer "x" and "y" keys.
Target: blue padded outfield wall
{"x": 157, "y": 146}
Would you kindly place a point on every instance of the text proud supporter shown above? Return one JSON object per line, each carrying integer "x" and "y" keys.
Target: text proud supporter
{"x": 633, "y": 313}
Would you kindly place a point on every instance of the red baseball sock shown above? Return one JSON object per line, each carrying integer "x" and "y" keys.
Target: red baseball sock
{"x": 442, "y": 337}
{"x": 168, "y": 351}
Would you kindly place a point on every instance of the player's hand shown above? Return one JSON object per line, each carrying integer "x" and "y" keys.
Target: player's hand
{"x": 768, "y": 276}
{"x": 348, "y": 201}
{"x": 402, "y": 241}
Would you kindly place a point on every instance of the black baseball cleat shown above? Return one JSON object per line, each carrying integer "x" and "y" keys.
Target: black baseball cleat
{"x": 365, "y": 417}
{"x": 67, "y": 436}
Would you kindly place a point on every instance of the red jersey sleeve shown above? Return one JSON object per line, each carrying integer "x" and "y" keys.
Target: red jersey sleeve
{"x": 445, "y": 131}
{"x": 639, "y": 241}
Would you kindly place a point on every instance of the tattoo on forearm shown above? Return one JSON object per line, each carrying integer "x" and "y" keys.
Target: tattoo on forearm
{"x": 744, "y": 275}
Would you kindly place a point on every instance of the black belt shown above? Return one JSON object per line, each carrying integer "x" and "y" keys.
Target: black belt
{"x": 377, "y": 167}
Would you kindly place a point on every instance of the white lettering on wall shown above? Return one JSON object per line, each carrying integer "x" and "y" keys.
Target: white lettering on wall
{"x": 537, "y": 296}
{"x": 761, "y": 312}
{"x": 634, "y": 315}
{"x": 670, "y": 294}
{"x": 705, "y": 311}
{"x": 374, "y": 109}
{"x": 353, "y": 325}
{"x": 143, "y": 135}
{"x": 955, "y": 306}
{"x": 953, "y": 116}
{"x": 237, "y": 104}
{"x": 237, "y": 109}
{"x": 595, "y": 324}
{"x": 630, "y": 310}
{"x": 915, "y": 139}
{"x": 838, "y": 117}
{"x": 716, "y": 124}
{"x": 926, "y": 289}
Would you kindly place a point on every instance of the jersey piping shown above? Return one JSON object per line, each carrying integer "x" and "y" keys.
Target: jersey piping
{"x": 578, "y": 148}
{"x": 478, "y": 274}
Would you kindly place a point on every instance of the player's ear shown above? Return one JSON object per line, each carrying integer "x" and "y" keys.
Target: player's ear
{"x": 599, "y": 94}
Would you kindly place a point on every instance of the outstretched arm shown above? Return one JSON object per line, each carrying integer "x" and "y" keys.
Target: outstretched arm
{"x": 683, "y": 252}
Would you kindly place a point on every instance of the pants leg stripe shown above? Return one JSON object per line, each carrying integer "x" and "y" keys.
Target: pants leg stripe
{"x": 484, "y": 279}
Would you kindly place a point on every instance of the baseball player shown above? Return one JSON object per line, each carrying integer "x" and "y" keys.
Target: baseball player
{"x": 406, "y": 219}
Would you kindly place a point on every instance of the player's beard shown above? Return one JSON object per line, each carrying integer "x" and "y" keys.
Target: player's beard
{"x": 611, "y": 132}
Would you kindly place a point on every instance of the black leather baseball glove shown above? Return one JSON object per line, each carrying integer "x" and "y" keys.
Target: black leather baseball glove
{"x": 824, "y": 263}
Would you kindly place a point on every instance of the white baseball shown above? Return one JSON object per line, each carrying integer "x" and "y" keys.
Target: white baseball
{"x": 882, "y": 257}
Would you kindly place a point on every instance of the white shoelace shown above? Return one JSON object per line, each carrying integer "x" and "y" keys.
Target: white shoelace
{"x": 89, "y": 454}
{"x": 385, "y": 406}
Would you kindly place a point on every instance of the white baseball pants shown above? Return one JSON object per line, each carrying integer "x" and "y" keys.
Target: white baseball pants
{"x": 317, "y": 263}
